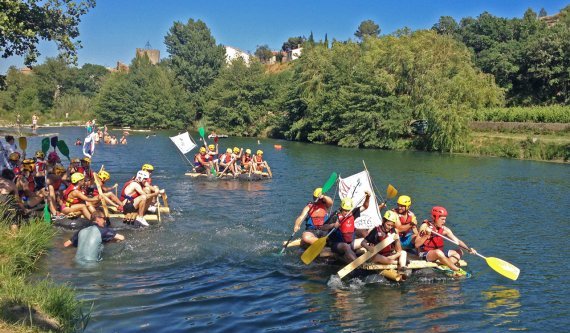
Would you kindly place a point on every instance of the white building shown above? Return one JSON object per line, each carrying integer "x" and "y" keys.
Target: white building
{"x": 233, "y": 53}
{"x": 296, "y": 53}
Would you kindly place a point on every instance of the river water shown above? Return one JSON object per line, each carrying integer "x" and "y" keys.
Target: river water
{"x": 213, "y": 265}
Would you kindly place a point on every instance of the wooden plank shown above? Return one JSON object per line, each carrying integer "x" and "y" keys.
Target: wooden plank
{"x": 363, "y": 258}
{"x": 296, "y": 242}
{"x": 414, "y": 264}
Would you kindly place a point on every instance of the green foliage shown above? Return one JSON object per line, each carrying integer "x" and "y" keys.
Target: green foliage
{"x": 194, "y": 55}
{"x": 263, "y": 53}
{"x": 147, "y": 96}
{"x": 24, "y": 22}
{"x": 293, "y": 43}
{"x": 365, "y": 95}
{"x": 238, "y": 102}
{"x": 367, "y": 29}
{"x": 537, "y": 114}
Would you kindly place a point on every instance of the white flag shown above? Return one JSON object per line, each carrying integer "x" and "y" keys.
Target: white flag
{"x": 183, "y": 142}
{"x": 354, "y": 187}
{"x": 89, "y": 145}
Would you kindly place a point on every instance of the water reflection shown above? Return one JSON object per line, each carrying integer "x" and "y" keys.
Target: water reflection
{"x": 503, "y": 305}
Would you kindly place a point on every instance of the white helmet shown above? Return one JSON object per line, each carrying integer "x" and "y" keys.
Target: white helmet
{"x": 142, "y": 175}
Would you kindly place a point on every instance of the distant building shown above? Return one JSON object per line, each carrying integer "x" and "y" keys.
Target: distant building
{"x": 551, "y": 20}
{"x": 26, "y": 70}
{"x": 295, "y": 53}
{"x": 233, "y": 53}
{"x": 278, "y": 56}
{"x": 153, "y": 55}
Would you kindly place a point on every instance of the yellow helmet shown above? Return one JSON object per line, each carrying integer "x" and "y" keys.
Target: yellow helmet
{"x": 28, "y": 164}
{"x": 147, "y": 167}
{"x": 212, "y": 147}
{"x": 259, "y": 152}
{"x": 236, "y": 150}
{"x": 77, "y": 177}
{"x": 248, "y": 151}
{"x": 202, "y": 149}
{"x": 75, "y": 160}
{"x": 104, "y": 175}
{"x": 229, "y": 150}
{"x": 318, "y": 191}
{"x": 346, "y": 204}
{"x": 40, "y": 154}
{"x": 59, "y": 169}
{"x": 391, "y": 216}
{"x": 405, "y": 201}
{"x": 15, "y": 156}
{"x": 86, "y": 160}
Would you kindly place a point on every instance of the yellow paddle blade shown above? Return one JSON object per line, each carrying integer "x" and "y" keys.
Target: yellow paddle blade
{"x": 314, "y": 250}
{"x": 391, "y": 191}
{"x": 504, "y": 268}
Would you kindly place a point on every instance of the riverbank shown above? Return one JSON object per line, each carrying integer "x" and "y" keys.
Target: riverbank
{"x": 27, "y": 305}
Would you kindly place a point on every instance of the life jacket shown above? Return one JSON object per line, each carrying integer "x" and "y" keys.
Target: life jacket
{"x": 382, "y": 235}
{"x": 40, "y": 166}
{"x": 200, "y": 160}
{"x": 125, "y": 196}
{"x": 225, "y": 158}
{"x": 258, "y": 159}
{"x": 346, "y": 228}
{"x": 30, "y": 182}
{"x": 69, "y": 202}
{"x": 57, "y": 184}
{"x": 434, "y": 242}
{"x": 405, "y": 219}
{"x": 245, "y": 159}
{"x": 317, "y": 215}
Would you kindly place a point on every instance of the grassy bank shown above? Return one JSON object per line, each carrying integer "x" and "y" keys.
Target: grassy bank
{"x": 26, "y": 305}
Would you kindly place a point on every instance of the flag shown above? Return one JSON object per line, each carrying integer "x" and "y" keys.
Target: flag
{"x": 89, "y": 145}
{"x": 354, "y": 187}
{"x": 183, "y": 142}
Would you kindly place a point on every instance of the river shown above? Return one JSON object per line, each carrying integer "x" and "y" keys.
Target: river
{"x": 213, "y": 265}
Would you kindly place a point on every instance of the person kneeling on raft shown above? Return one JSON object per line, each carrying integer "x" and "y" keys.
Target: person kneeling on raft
{"x": 89, "y": 241}
{"x": 393, "y": 253}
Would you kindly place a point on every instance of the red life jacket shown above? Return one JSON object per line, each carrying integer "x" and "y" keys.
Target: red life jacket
{"x": 200, "y": 159}
{"x": 317, "y": 214}
{"x": 405, "y": 219}
{"x": 56, "y": 185}
{"x": 434, "y": 242}
{"x": 382, "y": 235}
{"x": 346, "y": 228}
{"x": 40, "y": 166}
{"x": 31, "y": 183}
{"x": 225, "y": 158}
{"x": 258, "y": 159}
{"x": 124, "y": 195}
{"x": 245, "y": 159}
{"x": 69, "y": 202}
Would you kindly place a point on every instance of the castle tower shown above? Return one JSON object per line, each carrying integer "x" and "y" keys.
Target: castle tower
{"x": 152, "y": 54}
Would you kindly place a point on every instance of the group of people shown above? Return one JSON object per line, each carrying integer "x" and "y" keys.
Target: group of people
{"x": 104, "y": 135}
{"x": 233, "y": 161}
{"x": 35, "y": 182}
{"x": 425, "y": 242}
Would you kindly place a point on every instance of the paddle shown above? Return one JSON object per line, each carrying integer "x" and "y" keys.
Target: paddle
{"x": 363, "y": 258}
{"x": 62, "y": 146}
{"x": 227, "y": 167}
{"x": 500, "y": 266}
{"x": 54, "y": 142}
{"x": 315, "y": 249}
{"x": 45, "y": 145}
{"x": 327, "y": 186}
{"x": 23, "y": 142}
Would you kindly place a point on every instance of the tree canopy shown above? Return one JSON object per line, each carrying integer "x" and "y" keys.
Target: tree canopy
{"x": 24, "y": 23}
{"x": 367, "y": 28}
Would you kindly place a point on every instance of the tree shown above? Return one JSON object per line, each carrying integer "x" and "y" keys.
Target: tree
{"x": 446, "y": 26}
{"x": 311, "y": 39}
{"x": 263, "y": 53}
{"x": 293, "y": 43}
{"x": 326, "y": 42}
{"x": 194, "y": 55}
{"x": 25, "y": 22}
{"x": 542, "y": 13}
{"x": 367, "y": 29}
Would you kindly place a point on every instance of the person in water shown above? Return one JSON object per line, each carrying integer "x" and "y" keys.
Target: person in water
{"x": 89, "y": 240}
{"x": 314, "y": 214}
{"x": 393, "y": 253}
{"x": 431, "y": 245}
{"x": 343, "y": 240}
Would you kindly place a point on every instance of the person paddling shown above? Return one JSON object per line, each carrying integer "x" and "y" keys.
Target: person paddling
{"x": 314, "y": 214}
{"x": 431, "y": 247}
{"x": 393, "y": 253}
{"x": 343, "y": 241}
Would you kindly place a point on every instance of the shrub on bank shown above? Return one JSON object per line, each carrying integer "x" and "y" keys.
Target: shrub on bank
{"x": 531, "y": 149}
{"x": 47, "y": 305}
{"x": 537, "y": 114}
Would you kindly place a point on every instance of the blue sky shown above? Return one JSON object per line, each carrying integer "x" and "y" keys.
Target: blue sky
{"x": 115, "y": 28}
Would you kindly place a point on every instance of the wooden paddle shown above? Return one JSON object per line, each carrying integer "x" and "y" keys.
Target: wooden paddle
{"x": 500, "y": 266}
{"x": 23, "y": 142}
{"x": 363, "y": 258}
{"x": 327, "y": 186}
{"x": 227, "y": 167}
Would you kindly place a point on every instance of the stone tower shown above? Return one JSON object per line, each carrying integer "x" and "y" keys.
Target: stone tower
{"x": 153, "y": 55}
